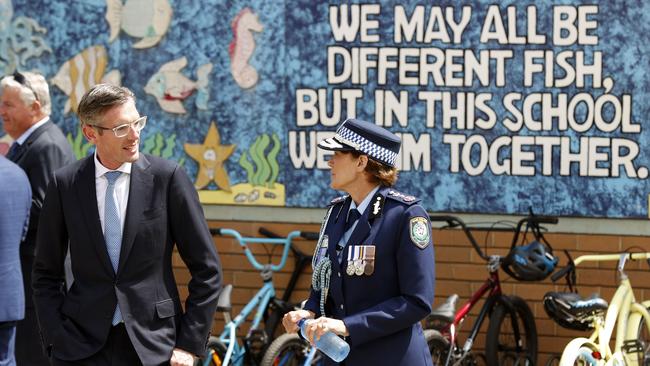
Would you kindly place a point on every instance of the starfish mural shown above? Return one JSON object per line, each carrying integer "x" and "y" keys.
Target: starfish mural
{"x": 210, "y": 155}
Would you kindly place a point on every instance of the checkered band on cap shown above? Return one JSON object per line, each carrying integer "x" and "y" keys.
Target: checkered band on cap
{"x": 360, "y": 143}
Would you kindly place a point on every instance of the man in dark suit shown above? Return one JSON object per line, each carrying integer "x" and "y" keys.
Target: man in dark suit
{"x": 15, "y": 200}
{"x": 39, "y": 149}
{"x": 121, "y": 213}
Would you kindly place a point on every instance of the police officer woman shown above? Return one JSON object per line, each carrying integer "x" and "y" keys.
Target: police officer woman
{"x": 374, "y": 265}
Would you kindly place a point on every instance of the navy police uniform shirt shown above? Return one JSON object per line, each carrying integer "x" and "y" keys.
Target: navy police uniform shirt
{"x": 384, "y": 284}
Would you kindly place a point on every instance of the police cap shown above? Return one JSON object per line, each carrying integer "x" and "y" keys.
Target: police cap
{"x": 367, "y": 138}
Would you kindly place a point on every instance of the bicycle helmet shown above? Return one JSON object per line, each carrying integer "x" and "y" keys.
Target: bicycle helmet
{"x": 532, "y": 262}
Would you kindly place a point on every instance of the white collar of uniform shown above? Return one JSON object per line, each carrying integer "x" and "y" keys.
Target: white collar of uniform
{"x": 364, "y": 204}
{"x": 101, "y": 169}
{"x": 21, "y": 140}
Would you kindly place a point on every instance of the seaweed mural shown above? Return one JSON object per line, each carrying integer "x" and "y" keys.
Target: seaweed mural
{"x": 259, "y": 161}
{"x": 158, "y": 145}
{"x": 80, "y": 146}
{"x": 266, "y": 167}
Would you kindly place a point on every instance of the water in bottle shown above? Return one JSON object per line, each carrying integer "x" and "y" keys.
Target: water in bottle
{"x": 329, "y": 343}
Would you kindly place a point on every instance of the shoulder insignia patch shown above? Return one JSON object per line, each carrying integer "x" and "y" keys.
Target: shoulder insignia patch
{"x": 419, "y": 231}
{"x": 398, "y": 196}
{"x": 338, "y": 200}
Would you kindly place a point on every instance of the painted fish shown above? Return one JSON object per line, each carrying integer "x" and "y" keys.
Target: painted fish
{"x": 146, "y": 19}
{"x": 80, "y": 73}
{"x": 170, "y": 87}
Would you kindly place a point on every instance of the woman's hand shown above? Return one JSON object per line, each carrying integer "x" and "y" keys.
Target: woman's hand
{"x": 316, "y": 328}
{"x": 291, "y": 319}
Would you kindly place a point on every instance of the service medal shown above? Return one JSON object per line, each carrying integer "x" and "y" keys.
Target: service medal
{"x": 358, "y": 268}
{"x": 350, "y": 268}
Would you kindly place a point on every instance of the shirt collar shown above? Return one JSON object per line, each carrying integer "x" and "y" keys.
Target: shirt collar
{"x": 21, "y": 140}
{"x": 366, "y": 201}
{"x": 101, "y": 169}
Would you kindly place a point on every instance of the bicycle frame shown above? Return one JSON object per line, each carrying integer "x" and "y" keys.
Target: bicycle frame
{"x": 492, "y": 287}
{"x": 623, "y": 312}
{"x": 235, "y": 352}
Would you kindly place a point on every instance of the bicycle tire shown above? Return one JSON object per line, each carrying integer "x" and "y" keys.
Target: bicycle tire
{"x": 289, "y": 350}
{"x": 219, "y": 349}
{"x": 576, "y": 354}
{"x": 553, "y": 360}
{"x": 498, "y": 352}
{"x": 438, "y": 346}
{"x": 643, "y": 337}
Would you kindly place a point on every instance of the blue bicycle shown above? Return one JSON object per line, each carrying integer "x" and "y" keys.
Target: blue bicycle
{"x": 226, "y": 349}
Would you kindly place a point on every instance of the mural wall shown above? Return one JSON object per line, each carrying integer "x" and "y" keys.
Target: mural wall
{"x": 500, "y": 107}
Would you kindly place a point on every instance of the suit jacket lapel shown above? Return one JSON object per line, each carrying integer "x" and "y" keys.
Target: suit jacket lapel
{"x": 360, "y": 232}
{"x": 87, "y": 195}
{"x": 140, "y": 191}
{"x": 335, "y": 232}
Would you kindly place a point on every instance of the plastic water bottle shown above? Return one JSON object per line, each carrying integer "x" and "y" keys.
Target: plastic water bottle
{"x": 329, "y": 343}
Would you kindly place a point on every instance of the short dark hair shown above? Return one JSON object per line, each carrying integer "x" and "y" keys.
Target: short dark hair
{"x": 380, "y": 173}
{"x": 99, "y": 99}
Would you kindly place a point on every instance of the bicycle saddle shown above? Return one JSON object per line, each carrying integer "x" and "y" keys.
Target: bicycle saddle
{"x": 445, "y": 313}
{"x": 223, "y": 301}
{"x": 572, "y": 311}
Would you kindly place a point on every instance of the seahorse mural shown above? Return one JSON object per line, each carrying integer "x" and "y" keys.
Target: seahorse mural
{"x": 242, "y": 47}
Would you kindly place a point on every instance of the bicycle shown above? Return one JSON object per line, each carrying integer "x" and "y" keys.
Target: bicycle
{"x": 632, "y": 342}
{"x": 516, "y": 345}
{"x": 289, "y": 349}
{"x": 226, "y": 350}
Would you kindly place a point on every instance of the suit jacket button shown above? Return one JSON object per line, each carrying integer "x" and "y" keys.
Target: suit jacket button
{"x": 341, "y": 306}
{"x": 338, "y": 273}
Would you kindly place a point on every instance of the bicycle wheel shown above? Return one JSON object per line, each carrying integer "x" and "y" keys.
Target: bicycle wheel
{"x": 583, "y": 356}
{"x": 215, "y": 353}
{"x": 438, "y": 346}
{"x": 502, "y": 346}
{"x": 553, "y": 360}
{"x": 643, "y": 339}
{"x": 289, "y": 350}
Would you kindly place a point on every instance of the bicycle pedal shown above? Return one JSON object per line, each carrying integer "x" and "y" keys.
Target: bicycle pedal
{"x": 632, "y": 346}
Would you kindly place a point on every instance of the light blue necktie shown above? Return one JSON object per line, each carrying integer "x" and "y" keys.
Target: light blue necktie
{"x": 112, "y": 230}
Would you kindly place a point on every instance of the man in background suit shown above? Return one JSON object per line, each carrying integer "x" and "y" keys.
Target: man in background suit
{"x": 15, "y": 200}
{"x": 121, "y": 213}
{"x": 39, "y": 148}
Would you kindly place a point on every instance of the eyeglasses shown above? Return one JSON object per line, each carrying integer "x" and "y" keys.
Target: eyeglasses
{"x": 22, "y": 80}
{"x": 123, "y": 130}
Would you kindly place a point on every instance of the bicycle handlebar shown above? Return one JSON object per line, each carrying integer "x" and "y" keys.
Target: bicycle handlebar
{"x": 531, "y": 221}
{"x": 243, "y": 241}
{"x": 308, "y": 235}
{"x": 562, "y": 272}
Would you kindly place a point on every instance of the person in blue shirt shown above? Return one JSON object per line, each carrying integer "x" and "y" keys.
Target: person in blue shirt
{"x": 15, "y": 201}
{"x": 374, "y": 269}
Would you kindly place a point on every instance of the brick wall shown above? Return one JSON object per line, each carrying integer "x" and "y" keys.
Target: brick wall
{"x": 458, "y": 270}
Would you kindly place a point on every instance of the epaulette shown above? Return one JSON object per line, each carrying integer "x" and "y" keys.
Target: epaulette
{"x": 401, "y": 197}
{"x": 338, "y": 200}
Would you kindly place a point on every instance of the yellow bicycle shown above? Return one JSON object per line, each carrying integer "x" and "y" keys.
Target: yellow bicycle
{"x": 631, "y": 318}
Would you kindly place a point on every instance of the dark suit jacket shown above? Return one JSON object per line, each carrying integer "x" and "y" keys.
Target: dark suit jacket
{"x": 44, "y": 151}
{"x": 163, "y": 210}
{"x": 15, "y": 199}
{"x": 381, "y": 310}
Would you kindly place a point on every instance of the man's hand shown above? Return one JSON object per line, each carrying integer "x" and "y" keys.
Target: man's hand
{"x": 291, "y": 319}
{"x": 181, "y": 358}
